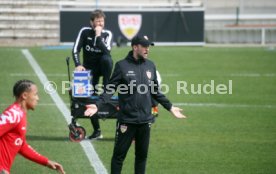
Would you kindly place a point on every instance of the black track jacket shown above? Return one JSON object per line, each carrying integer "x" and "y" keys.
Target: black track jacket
{"x": 93, "y": 47}
{"x": 136, "y": 75}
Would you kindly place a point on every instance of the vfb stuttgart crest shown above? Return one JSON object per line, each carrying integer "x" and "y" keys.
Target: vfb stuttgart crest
{"x": 148, "y": 74}
{"x": 123, "y": 128}
{"x": 130, "y": 24}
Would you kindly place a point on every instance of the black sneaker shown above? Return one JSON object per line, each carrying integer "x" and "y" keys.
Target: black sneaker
{"x": 96, "y": 135}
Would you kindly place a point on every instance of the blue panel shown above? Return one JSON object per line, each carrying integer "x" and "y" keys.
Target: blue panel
{"x": 82, "y": 84}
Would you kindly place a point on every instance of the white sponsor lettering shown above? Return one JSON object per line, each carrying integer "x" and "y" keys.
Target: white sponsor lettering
{"x": 130, "y": 73}
{"x": 91, "y": 49}
{"x": 11, "y": 116}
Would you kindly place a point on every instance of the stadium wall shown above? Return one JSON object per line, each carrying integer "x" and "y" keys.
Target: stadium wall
{"x": 163, "y": 27}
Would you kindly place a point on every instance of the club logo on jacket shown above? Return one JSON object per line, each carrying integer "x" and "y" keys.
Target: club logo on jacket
{"x": 123, "y": 128}
{"x": 18, "y": 142}
{"x": 148, "y": 74}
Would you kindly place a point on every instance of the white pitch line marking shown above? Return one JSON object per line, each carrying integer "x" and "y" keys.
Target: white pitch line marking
{"x": 221, "y": 105}
{"x": 88, "y": 148}
{"x": 253, "y": 75}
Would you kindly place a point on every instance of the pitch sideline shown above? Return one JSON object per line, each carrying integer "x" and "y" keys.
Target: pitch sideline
{"x": 88, "y": 148}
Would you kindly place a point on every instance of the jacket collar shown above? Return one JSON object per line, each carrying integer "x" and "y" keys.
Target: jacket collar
{"x": 132, "y": 59}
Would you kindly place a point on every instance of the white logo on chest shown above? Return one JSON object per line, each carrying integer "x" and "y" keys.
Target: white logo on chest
{"x": 130, "y": 73}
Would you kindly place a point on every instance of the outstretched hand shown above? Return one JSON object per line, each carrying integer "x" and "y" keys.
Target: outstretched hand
{"x": 91, "y": 110}
{"x": 55, "y": 166}
{"x": 176, "y": 111}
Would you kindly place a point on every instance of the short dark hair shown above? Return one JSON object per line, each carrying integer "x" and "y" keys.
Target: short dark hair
{"x": 21, "y": 86}
{"x": 97, "y": 14}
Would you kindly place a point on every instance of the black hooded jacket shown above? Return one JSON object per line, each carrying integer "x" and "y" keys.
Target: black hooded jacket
{"x": 135, "y": 82}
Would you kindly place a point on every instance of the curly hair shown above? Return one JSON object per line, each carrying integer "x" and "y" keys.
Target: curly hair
{"x": 21, "y": 86}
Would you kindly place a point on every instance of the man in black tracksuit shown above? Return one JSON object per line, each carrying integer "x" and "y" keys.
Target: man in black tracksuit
{"x": 135, "y": 80}
{"x": 96, "y": 42}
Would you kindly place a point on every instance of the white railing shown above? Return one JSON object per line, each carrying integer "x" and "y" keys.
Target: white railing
{"x": 229, "y": 26}
{"x": 127, "y": 6}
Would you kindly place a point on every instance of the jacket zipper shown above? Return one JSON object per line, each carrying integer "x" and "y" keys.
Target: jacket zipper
{"x": 140, "y": 82}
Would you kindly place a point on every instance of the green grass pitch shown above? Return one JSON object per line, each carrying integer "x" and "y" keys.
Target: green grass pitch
{"x": 223, "y": 134}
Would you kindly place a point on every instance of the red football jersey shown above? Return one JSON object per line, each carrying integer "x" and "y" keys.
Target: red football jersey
{"x": 13, "y": 126}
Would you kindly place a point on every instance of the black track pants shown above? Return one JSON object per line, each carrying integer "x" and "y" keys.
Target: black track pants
{"x": 103, "y": 67}
{"x": 125, "y": 135}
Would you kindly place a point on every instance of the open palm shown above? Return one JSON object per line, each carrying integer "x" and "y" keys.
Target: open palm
{"x": 91, "y": 110}
{"x": 177, "y": 112}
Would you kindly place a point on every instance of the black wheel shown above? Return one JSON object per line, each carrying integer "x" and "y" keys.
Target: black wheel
{"x": 77, "y": 134}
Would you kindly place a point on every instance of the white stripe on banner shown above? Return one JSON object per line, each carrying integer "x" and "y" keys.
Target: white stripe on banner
{"x": 88, "y": 148}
